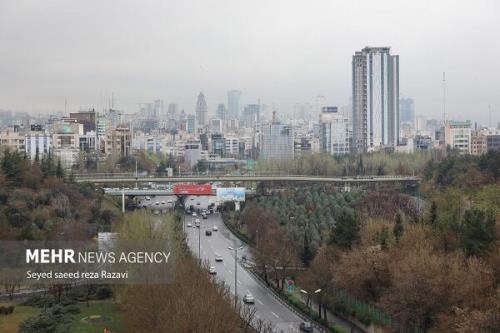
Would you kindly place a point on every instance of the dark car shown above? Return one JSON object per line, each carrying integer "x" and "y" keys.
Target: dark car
{"x": 306, "y": 326}
{"x": 208, "y": 233}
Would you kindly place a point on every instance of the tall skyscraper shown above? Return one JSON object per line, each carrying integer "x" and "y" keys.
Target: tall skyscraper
{"x": 375, "y": 91}
{"x": 251, "y": 115}
{"x": 407, "y": 111}
{"x": 190, "y": 124}
{"x": 201, "y": 111}
{"x": 233, "y": 104}
{"x": 221, "y": 112}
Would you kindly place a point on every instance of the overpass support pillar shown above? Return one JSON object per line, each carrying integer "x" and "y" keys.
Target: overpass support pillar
{"x": 123, "y": 199}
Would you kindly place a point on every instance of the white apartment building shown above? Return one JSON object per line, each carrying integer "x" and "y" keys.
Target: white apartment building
{"x": 458, "y": 135}
{"x": 334, "y": 133}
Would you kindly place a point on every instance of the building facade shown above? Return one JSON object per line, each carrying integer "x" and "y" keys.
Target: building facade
{"x": 407, "y": 112}
{"x": 276, "y": 141}
{"x": 458, "y": 135}
{"x": 233, "y": 104}
{"x": 334, "y": 133}
{"x": 118, "y": 141}
{"x": 201, "y": 111}
{"x": 375, "y": 91}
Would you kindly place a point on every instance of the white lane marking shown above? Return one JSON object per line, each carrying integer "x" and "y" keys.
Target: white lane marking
{"x": 274, "y": 314}
{"x": 260, "y": 302}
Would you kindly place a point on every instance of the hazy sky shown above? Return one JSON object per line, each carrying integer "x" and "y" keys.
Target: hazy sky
{"x": 280, "y": 51}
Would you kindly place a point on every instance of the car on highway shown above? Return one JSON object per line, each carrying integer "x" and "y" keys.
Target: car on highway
{"x": 204, "y": 216}
{"x": 189, "y": 225}
{"x": 194, "y": 214}
{"x": 163, "y": 202}
{"x": 197, "y": 220}
{"x": 306, "y": 326}
{"x": 208, "y": 233}
{"x": 214, "y": 228}
{"x": 218, "y": 258}
{"x": 148, "y": 198}
{"x": 212, "y": 270}
{"x": 157, "y": 203}
{"x": 169, "y": 201}
{"x": 248, "y": 299}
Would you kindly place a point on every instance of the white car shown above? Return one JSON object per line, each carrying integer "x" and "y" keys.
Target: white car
{"x": 218, "y": 258}
{"x": 212, "y": 270}
{"x": 163, "y": 202}
{"x": 189, "y": 225}
{"x": 197, "y": 220}
{"x": 249, "y": 299}
{"x": 194, "y": 214}
{"x": 214, "y": 228}
{"x": 148, "y": 198}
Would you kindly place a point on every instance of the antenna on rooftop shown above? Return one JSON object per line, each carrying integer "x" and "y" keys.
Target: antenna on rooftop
{"x": 444, "y": 98}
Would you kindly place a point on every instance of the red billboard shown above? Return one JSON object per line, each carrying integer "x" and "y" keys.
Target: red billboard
{"x": 192, "y": 189}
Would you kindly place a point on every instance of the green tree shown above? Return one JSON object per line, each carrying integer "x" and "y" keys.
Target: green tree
{"x": 478, "y": 231}
{"x": 432, "y": 218}
{"x": 59, "y": 169}
{"x": 346, "y": 229}
{"x": 398, "y": 227}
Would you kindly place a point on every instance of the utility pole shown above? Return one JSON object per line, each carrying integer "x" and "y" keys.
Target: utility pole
{"x": 136, "y": 176}
{"x": 123, "y": 199}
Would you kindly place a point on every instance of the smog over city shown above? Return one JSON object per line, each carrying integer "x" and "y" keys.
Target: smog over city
{"x": 249, "y": 166}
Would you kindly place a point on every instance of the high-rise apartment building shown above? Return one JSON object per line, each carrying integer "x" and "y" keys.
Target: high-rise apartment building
{"x": 251, "y": 115}
{"x": 118, "y": 141}
{"x": 458, "y": 135}
{"x": 407, "y": 112}
{"x": 233, "y": 104}
{"x": 190, "y": 124}
{"x": 334, "y": 133}
{"x": 375, "y": 91}
{"x": 87, "y": 118}
{"x": 221, "y": 112}
{"x": 276, "y": 141}
{"x": 201, "y": 111}
{"x": 216, "y": 125}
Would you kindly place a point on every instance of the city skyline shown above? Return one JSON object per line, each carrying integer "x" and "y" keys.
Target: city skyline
{"x": 309, "y": 58}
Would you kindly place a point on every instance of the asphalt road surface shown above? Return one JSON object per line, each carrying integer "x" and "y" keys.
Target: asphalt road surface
{"x": 268, "y": 308}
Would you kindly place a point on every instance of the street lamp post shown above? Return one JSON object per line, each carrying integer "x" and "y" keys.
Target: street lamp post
{"x": 309, "y": 298}
{"x": 235, "y": 273}
{"x": 199, "y": 241}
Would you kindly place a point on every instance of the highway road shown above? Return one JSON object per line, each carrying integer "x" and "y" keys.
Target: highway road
{"x": 267, "y": 306}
